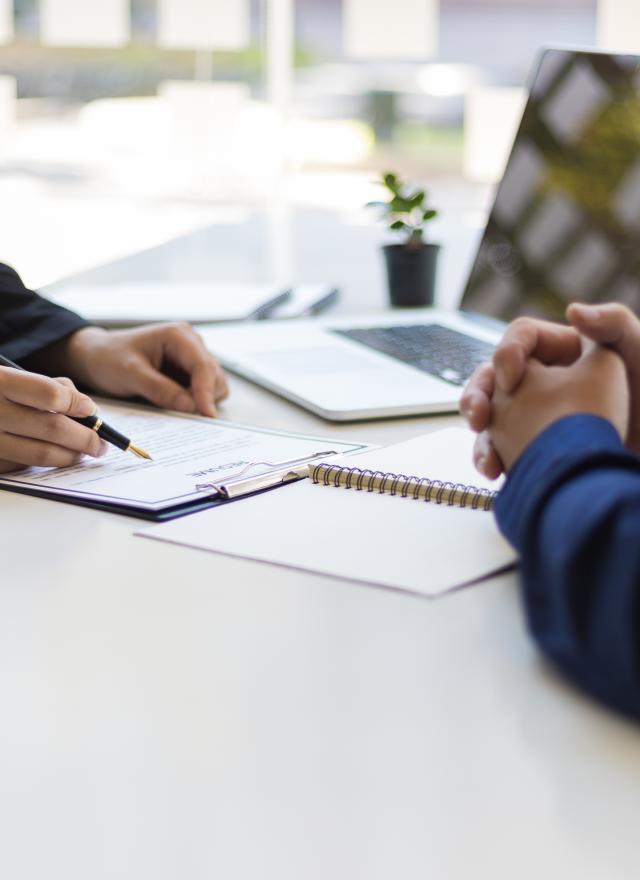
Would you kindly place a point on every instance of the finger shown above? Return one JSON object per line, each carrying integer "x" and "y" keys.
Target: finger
{"x": 187, "y": 350}
{"x": 605, "y": 361}
{"x": 24, "y": 421}
{"x": 22, "y": 451}
{"x": 204, "y": 385}
{"x": 158, "y": 388}
{"x": 222, "y": 387}
{"x": 43, "y": 393}
{"x": 612, "y": 324}
{"x": 527, "y": 338}
{"x": 485, "y": 458}
{"x": 63, "y": 380}
{"x": 482, "y": 380}
{"x": 6, "y": 467}
{"x": 475, "y": 403}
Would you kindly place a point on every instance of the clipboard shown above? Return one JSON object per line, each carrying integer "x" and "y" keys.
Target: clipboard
{"x": 224, "y": 463}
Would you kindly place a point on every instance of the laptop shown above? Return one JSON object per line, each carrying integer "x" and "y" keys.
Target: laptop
{"x": 565, "y": 225}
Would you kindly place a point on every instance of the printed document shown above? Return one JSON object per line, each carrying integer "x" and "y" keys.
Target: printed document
{"x": 189, "y": 453}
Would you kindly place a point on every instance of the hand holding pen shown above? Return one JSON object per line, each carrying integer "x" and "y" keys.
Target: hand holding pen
{"x": 48, "y": 422}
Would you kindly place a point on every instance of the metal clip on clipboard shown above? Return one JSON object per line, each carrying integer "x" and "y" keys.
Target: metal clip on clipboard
{"x": 279, "y": 472}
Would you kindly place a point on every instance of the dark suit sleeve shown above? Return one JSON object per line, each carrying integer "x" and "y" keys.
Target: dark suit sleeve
{"x": 571, "y": 507}
{"x": 28, "y": 322}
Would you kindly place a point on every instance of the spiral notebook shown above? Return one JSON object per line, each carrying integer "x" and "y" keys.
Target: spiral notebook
{"x": 414, "y": 516}
{"x": 429, "y": 489}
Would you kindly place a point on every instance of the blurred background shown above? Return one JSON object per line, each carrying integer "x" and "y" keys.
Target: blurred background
{"x": 126, "y": 122}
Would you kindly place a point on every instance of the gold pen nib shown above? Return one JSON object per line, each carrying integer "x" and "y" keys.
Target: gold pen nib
{"x": 139, "y": 452}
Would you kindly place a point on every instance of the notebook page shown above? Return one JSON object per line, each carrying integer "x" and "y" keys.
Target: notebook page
{"x": 376, "y": 539}
{"x": 442, "y": 455}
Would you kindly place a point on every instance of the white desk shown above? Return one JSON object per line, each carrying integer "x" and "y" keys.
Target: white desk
{"x": 175, "y": 715}
{"x": 319, "y": 248}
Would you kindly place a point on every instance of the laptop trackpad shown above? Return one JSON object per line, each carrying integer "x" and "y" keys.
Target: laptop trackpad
{"x": 318, "y": 360}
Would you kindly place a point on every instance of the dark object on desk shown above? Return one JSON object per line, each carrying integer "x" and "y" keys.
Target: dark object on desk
{"x": 95, "y": 423}
{"x": 411, "y": 265}
{"x": 304, "y": 300}
{"x": 110, "y": 435}
{"x": 411, "y": 274}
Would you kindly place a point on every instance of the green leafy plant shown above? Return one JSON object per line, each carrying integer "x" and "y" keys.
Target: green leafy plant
{"x": 406, "y": 210}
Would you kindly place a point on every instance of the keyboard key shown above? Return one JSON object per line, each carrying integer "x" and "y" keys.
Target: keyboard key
{"x": 439, "y": 351}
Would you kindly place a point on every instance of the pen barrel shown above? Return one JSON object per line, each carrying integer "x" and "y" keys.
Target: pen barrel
{"x": 105, "y": 432}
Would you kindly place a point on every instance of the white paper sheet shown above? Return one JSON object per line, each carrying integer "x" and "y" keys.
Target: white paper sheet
{"x": 85, "y": 22}
{"x": 187, "y": 452}
{"x": 203, "y": 24}
{"x": 6, "y": 21}
{"x": 394, "y": 29}
{"x": 139, "y": 303}
{"x": 361, "y": 536}
{"x": 619, "y": 25}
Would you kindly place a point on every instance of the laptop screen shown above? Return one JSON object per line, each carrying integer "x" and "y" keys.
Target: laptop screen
{"x": 565, "y": 224}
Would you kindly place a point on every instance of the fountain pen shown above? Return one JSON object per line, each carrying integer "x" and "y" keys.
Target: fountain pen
{"x": 104, "y": 431}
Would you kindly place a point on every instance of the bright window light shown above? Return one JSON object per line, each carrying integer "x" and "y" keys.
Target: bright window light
{"x": 619, "y": 25}
{"x": 446, "y": 80}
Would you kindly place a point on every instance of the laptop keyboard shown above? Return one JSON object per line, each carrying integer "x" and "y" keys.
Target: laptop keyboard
{"x": 432, "y": 348}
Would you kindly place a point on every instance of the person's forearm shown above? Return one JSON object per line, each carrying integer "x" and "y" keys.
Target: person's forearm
{"x": 571, "y": 507}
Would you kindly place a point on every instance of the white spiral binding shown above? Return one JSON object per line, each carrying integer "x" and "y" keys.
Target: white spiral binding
{"x": 406, "y": 486}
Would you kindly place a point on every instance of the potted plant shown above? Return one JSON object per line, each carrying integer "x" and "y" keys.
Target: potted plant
{"x": 411, "y": 265}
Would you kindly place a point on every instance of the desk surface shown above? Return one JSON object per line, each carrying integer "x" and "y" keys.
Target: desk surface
{"x": 175, "y": 714}
{"x": 296, "y": 246}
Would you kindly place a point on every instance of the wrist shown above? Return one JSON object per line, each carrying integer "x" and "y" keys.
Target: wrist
{"x": 73, "y": 356}
{"x": 565, "y": 447}
{"x": 512, "y": 448}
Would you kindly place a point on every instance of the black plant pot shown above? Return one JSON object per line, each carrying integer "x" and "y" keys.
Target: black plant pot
{"x": 411, "y": 273}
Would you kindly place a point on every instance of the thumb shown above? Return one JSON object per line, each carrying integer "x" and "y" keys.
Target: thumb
{"x": 612, "y": 324}
{"x": 73, "y": 402}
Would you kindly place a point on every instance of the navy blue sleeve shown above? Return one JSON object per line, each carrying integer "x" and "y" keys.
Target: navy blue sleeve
{"x": 28, "y": 322}
{"x": 571, "y": 507}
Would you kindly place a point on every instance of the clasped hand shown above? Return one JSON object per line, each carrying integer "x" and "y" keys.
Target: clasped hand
{"x": 34, "y": 429}
{"x": 542, "y": 371}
